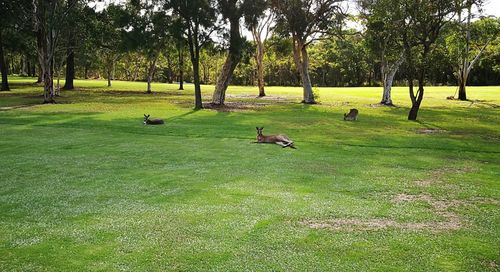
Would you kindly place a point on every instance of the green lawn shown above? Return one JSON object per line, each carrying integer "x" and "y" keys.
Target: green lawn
{"x": 85, "y": 186}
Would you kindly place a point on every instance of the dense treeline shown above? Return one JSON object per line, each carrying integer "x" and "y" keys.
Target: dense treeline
{"x": 291, "y": 42}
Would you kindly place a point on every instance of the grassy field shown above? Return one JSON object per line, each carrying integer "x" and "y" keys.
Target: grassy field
{"x": 85, "y": 186}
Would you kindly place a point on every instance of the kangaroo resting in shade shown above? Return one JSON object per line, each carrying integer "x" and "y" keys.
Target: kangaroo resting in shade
{"x": 148, "y": 121}
{"x": 279, "y": 139}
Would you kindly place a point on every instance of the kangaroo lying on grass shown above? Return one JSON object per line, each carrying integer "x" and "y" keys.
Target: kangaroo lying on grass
{"x": 148, "y": 121}
{"x": 279, "y": 139}
{"x": 351, "y": 116}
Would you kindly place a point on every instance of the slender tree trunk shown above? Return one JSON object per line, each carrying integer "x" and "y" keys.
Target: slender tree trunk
{"x": 151, "y": 72}
{"x": 306, "y": 80}
{"x": 259, "y": 60}
{"x": 302, "y": 62}
{"x": 194, "y": 51}
{"x": 232, "y": 60}
{"x": 86, "y": 72}
{"x": 181, "y": 68}
{"x": 109, "y": 70}
{"x": 70, "y": 68}
{"x": 416, "y": 100}
{"x": 3, "y": 67}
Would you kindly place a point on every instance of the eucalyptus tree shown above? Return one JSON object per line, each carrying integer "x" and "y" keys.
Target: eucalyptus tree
{"x": 49, "y": 19}
{"x": 198, "y": 22}
{"x": 108, "y": 31}
{"x": 71, "y": 44}
{"x": 420, "y": 29}
{"x": 259, "y": 21}
{"x": 383, "y": 25}
{"x": 307, "y": 21}
{"x": 14, "y": 22}
{"x": 147, "y": 29}
{"x": 468, "y": 40}
{"x": 230, "y": 10}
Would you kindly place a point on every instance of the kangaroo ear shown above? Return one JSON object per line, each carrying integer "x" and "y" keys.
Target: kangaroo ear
{"x": 145, "y": 115}
{"x": 257, "y": 128}
{"x": 261, "y": 128}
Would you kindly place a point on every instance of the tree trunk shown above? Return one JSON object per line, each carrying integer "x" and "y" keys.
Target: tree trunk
{"x": 3, "y": 67}
{"x": 181, "y": 68}
{"x": 412, "y": 115}
{"x": 86, "y": 72}
{"x": 70, "y": 69}
{"x": 109, "y": 71}
{"x": 151, "y": 72}
{"x": 306, "y": 80}
{"x": 194, "y": 51}
{"x": 388, "y": 72}
{"x": 233, "y": 58}
{"x": 259, "y": 60}
{"x": 197, "y": 88}
{"x": 302, "y": 62}
{"x": 462, "y": 95}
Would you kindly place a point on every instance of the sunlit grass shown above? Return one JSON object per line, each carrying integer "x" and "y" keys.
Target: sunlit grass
{"x": 85, "y": 186}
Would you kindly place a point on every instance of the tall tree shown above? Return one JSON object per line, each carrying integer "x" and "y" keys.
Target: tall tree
{"x": 108, "y": 29}
{"x": 231, "y": 11}
{"x": 198, "y": 19}
{"x": 14, "y": 19}
{"x": 382, "y": 38}
{"x": 259, "y": 20}
{"x": 420, "y": 29}
{"x": 3, "y": 67}
{"x": 306, "y": 21}
{"x": 49, "y": 18}
{"x": 71, "y": 43}
{"x": 147, "y": 29}
{"x": 468, "y": 41}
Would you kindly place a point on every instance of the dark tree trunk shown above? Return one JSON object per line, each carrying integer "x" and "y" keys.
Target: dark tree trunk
{"x": 194, "y": 51}
{"x": 462, "y": 95}
{"x": 151, "y": 72}
{"x": 86, "y": 72}
{"x": 70, "y": 70}
{"x": 181, "y": 68}
{"x": 3, "y": 67}
{"x": 233, "y": 58}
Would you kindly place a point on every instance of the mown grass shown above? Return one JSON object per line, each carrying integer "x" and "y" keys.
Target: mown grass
{"x": 84, "y": 186}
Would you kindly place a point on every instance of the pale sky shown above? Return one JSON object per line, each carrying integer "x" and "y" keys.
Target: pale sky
{"x": 492, "y": 7}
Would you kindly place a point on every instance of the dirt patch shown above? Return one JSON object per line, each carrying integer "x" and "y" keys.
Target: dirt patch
{"x": 232, "y": 106}
{"x": 430, "y": 131}
{"x": 452, "y": 221}
{"x": 493, "y": 265}
{"x": 380, "y": 105}
{"x": 380, "y": 224}
{"x": 249, "y": 96}
{"x": 436, "y": 176}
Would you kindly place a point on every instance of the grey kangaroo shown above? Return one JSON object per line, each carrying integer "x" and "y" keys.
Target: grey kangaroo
{"x": 279, "y": 139}
{"x": 148, "y": 121}
{"x": 351, "y": 116}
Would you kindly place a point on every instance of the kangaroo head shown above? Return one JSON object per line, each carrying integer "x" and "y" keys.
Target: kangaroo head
{"x": 345, "y": 116}
{"x": 259, "y": 130}
{"x": 146, "y": 118}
